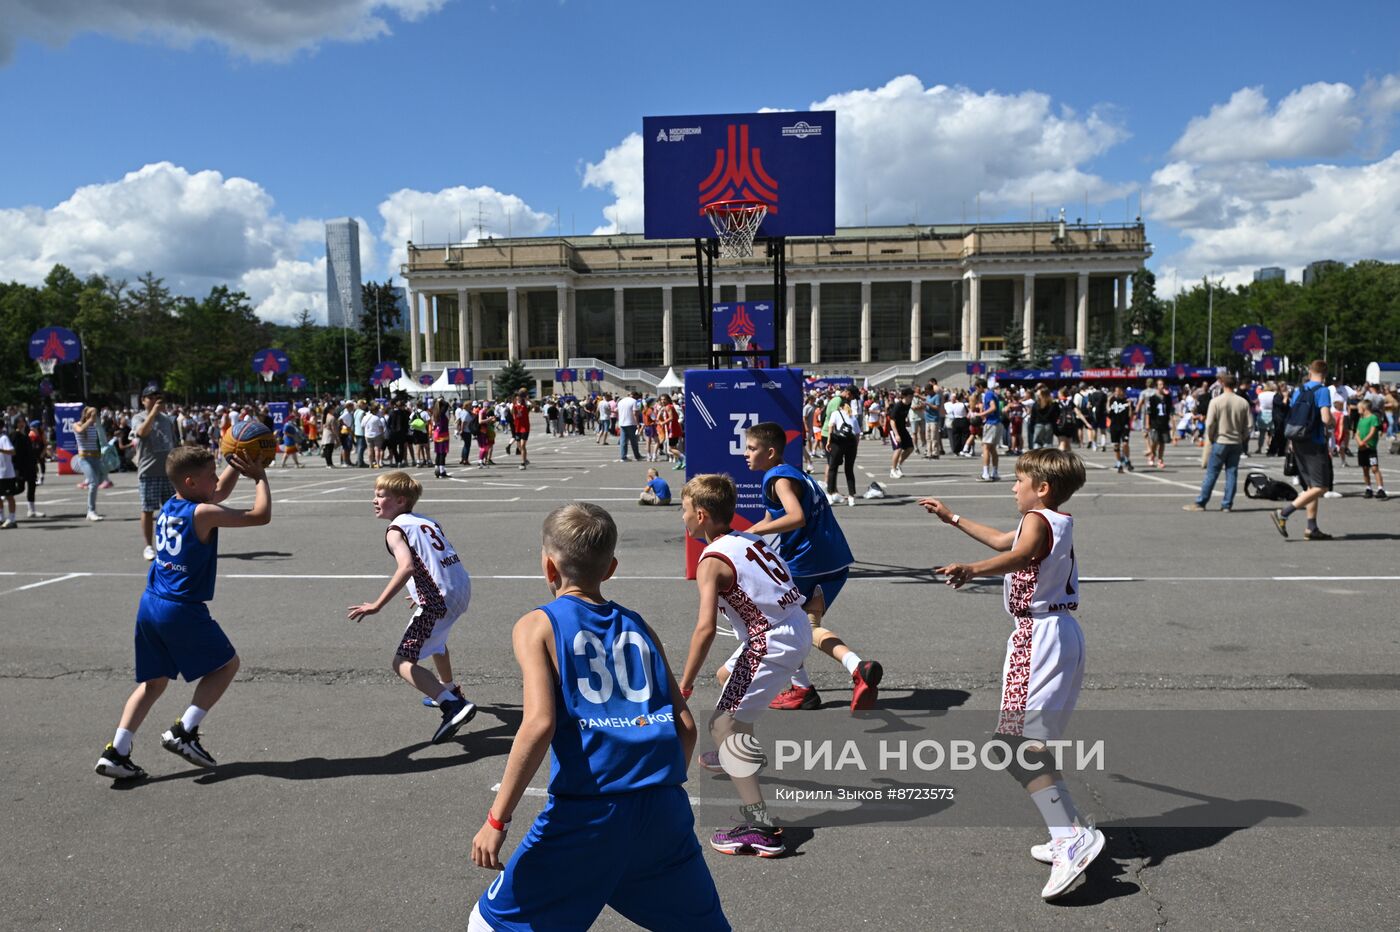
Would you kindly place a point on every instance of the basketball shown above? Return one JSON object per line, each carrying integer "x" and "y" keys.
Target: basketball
{"x": 251, "y": 440}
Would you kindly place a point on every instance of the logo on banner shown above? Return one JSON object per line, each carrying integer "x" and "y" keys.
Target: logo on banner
{"x": 802, "y": 129}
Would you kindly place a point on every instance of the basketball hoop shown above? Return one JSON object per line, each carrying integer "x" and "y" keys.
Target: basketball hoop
{"x": 741, "y": 341}
{"x": 736, "y": 223}
{"x": 266, "y": 376}
{"x": 47, "y": 364}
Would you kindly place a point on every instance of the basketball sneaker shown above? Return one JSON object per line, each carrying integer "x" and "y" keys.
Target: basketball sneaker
{"x": 118, "y": 766}
{"x": 1045, "y": 853}
{"x": 797, "y": 697}
{"x": 749, "y": 839}
{"x": 710, "y": 761}
{"x": 1069, "y": 858}
{"x": 186, "y": 744}
{"x": 455, "y": 714}
{"x": 867, "y": 685}
{"x": 1279, "y": 520}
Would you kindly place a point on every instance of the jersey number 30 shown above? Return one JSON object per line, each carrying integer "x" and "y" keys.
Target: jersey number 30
{"x": 588, "y": 646}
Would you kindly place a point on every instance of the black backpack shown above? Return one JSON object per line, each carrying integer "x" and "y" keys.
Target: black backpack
{"x": 1303, "y": 416}
{"x": 1258, "y": 485}
{"x": 1067, "y": 419}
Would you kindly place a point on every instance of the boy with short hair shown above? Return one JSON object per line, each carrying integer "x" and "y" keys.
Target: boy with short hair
{"x": 618, "y": 828}
{"x": 1368, "y": 433}
{"x": 738, "y": 575}
{"x": 175, "y": 634}
{"x": 1044, "y": 665}
{"x": 657, "y": 491}
{"x": 811, "y": 543}
{"x": 438, "y": 584}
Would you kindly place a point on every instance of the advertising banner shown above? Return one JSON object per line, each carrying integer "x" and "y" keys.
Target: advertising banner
{"x": 65, "y": 445}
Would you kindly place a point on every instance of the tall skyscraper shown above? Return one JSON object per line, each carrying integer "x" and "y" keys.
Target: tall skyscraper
{"x": 1269, "y": 273}
{"x": 344, "y": 302}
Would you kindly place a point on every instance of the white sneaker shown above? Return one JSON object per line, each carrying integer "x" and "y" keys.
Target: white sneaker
{"x": 894, "y": 473}
{"x": 833, "y": 498}
{"x": 36, "y": 514}
{"x": 93, "y": 516}
{"x": 851, "y": 501}
{"x": 1331, "y": 494}
{"x": 899, "y": 472}
{"x": 149, "y": 553}
{"x": 1045, "y": 853}
{"x": 1069, "y": 858}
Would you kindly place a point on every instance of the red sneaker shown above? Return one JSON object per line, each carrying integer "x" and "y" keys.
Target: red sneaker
{"x": 797, "y": 697}
{"x": 867, "y": 685}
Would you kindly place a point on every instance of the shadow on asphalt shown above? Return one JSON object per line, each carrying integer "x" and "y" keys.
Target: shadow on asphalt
{"x": 891, "y": 571}
{"x": 257, "y": 555}
{"x": 476, "y": 745}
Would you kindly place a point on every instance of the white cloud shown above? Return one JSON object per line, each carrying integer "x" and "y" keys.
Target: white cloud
{"x": 1315, "y": 121}
{"x": 195, "y": 230}
{"x": 620, "y": 171}
{"x": 256, "y": 28}
{"x": 905, "y": 150}
{"x": 437, "y": 216}
{"x": 1236, "y": 211}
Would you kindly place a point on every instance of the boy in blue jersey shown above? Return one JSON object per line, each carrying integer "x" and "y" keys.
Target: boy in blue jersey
{"x": 598, "y": 692}
{"x": 175, "y": 634}
{"x": 811, "y": 543}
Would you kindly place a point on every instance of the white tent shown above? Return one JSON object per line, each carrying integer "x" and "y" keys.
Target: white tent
{"x": 404, "y": 384}
{"x": 670, "y": 381}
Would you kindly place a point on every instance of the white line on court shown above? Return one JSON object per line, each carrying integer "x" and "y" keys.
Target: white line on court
{"x": 1184, "y": 485}
{"x": 46, "y": 582}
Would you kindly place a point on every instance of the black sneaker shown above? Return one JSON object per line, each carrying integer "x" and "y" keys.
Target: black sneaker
{"x": 1129, "y": 464}
{"x": 177, "y": 740}
{"x": 1316, "y": 535}
{"x": 1368, "y": 494}
{"x": 455, "y": 714}
{"x": 118, "y": 766}
{"x": 433, "y": 703}
{"x": 1381, "y": 495}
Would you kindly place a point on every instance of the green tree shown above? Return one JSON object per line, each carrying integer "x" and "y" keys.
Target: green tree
{"x": 1014, "y": 356}
{"x": 511, "y": 378}
{"x": 1043, "y": 347}
{"x": 1100, "y": 352}
{"x": 1146, "y": 312}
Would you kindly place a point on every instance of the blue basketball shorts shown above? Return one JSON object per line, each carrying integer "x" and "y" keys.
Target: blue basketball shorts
{"x": 635, "y": 852}
{"x": 831, "y": 583}
{"x": 178, "y": 639}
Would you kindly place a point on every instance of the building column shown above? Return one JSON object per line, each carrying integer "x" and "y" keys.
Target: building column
{"x": 573, "y": 323}
{"x": 972, "y": 314}
{"x": 1069, "y": 311}
{"x": 1028, "y": 312}
{"x": 462, "y": 356}
{"x": 740, "y": 290}
{"x": 619, "y": 329}
{"x": 668, "y": 328}
{"x": 1120, "y": 307}
{"x": 815, "y": 330}
{"x": 474, "y": 312}
{"x": 524, "y": 305}
{"x": 916, "y": 321}
{"x": 967, "y": 312}
{"x": 429, "y": 329}
{"x": 790, "y": 326}
{"x": 561, "y": 325}
{"x": 512, "y": 323}
{"x": 1081, "y": 321}
{"x": 865, "y": 322}
{"x": 414, "y": 348}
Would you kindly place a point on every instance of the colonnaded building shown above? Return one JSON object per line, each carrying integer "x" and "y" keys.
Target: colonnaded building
{"x": 889, "y": 300}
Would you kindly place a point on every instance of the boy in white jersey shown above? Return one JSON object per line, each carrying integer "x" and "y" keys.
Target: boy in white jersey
{"x": 438, "y": 585}
{"x": 753, "y": 586}
{"x": 1045, "y": 654}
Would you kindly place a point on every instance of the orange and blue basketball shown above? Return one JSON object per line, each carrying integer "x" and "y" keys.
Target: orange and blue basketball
{"x": 252, "y": 440}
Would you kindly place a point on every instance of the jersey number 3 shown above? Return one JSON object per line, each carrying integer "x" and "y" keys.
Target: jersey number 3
{"x": 590, "y": 647}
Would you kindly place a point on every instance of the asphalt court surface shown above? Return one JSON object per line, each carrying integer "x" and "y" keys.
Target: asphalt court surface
{"x": 330, "y": 810}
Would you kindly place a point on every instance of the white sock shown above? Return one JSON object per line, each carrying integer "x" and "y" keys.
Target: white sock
{"x": 1057, "y": 809}
{"x": 192, "y": 717}
{"x": 122, "y": 741}
{"x": 447, "y": 695}
{"x": 801, "y": 680}
{"x": 850, "y": 661}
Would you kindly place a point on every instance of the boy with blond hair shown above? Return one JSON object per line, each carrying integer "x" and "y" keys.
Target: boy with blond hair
{"x": 618, "y": 828}
{"x": 1044, "y": 664}
{"x": 439, "y": 587}
{"x": 175, "y": 634}
{"x": 738, "y": 575}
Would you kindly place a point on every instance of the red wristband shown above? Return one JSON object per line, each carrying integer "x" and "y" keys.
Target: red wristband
{"x": 495, "y": 823}
{"x": 686, "y": 693}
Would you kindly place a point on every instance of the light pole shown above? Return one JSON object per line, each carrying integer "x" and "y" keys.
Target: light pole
{"x": 345, "y": 336}
{"x": 1210, "y": 317}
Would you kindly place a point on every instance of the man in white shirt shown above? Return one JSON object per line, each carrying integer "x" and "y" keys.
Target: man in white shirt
{"x": 627, "y": 426}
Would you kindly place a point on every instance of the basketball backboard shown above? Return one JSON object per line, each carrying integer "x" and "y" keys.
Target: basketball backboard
{"x": 787, "y": 160}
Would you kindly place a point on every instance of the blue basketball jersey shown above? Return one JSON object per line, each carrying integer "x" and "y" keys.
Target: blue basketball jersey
{"x": 615, "y": 728}
{"x": 819, "y": 546}
{"x": 184, "y": 567}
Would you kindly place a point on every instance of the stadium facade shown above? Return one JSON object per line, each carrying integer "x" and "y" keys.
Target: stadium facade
{"x": 868, "y": 295}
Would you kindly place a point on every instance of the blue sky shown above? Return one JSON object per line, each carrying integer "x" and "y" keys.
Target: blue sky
{"x": 210, "y": 146}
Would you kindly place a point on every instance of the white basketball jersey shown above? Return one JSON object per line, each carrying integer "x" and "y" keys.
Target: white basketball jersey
{"x": 439, "y": 582}
{"x": 1050, "y": 585}
{"x": 763, "y": 595}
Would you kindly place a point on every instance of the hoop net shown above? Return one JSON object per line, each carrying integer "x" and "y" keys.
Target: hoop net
{"x": 266, "y": 376}
{"x": 735, "y": 224}
{"x": 741, "y": 341}
{"x": 47, "y": 364}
